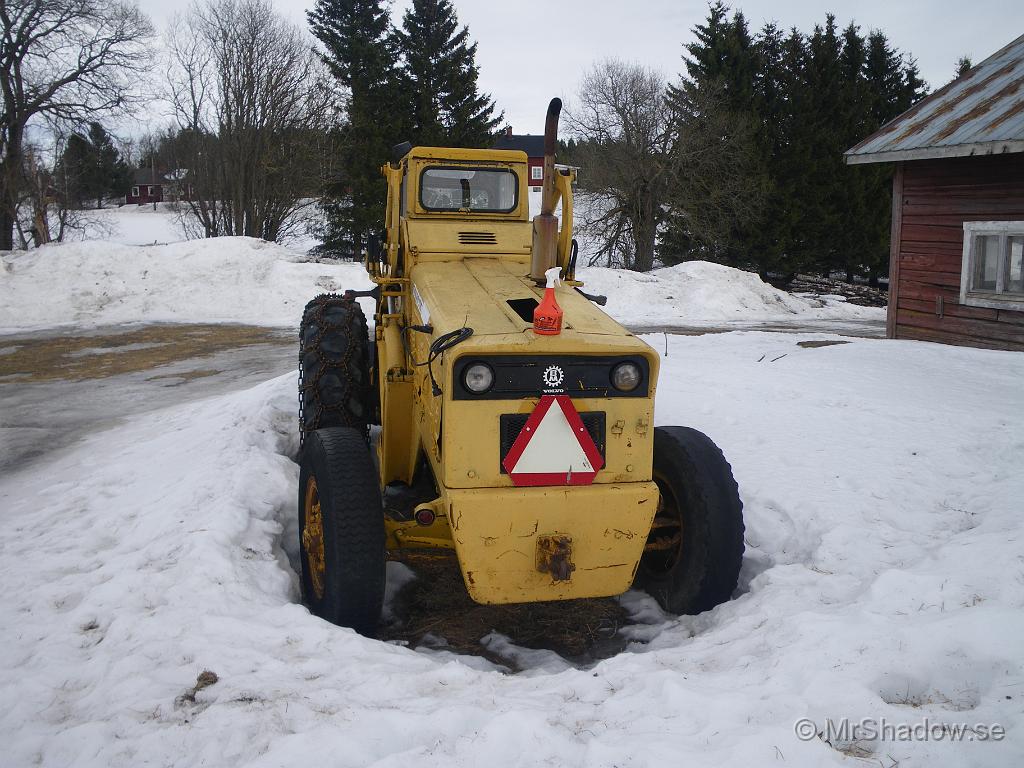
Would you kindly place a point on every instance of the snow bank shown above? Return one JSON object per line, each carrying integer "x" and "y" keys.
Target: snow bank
{"x": 241, "y": 280}
{"x": 882, "y": 579}
{"x": 227, "y": 279}
{"x": 703, "y": 293}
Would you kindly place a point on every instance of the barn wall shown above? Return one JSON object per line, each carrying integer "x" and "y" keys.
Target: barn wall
{"x": 936, "y": 197}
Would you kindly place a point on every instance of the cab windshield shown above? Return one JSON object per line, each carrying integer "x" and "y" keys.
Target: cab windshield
{"x": 487, "y": 190}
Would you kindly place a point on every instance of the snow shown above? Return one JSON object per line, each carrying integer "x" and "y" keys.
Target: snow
{"x": 131, "y": 225}
{"x": 165, "y": 223}
{"x": 703, "y": 293}
{"x": 234, "y": 279}
{"x": 883, "y": 578}
{"x": 220, "y": 280}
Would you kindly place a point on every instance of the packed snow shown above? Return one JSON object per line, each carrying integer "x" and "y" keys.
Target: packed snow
{"x": 226, "y": 279}
{"x": 170, "y": 223}
{"x": 703, "y": 293}
{"x": 250, "y": 281}
{"x": 883, "y": 579}
{"x": 130, "y": 224}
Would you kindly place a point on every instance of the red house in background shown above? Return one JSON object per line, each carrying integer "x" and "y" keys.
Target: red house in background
{"x": 158, "y": 187}
{"x": 956, "y": 271}
{"x": 532, "y": 145}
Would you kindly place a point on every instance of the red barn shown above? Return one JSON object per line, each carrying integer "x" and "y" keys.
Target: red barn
{"x": 532, "y": 145}
{"x": 956, "y": 272}
{"x": 147, "y": 187}
{"x": 158, "y": 187}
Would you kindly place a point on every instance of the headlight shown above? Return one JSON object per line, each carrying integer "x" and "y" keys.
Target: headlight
{"x": 478, "y": 378}
{"x": 626, "y": 377}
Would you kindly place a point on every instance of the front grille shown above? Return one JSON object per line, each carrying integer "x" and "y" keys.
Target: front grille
{"x": 512, "y": 424}
{"x": 522, "y": 376}
{"x": 478, "y": 238}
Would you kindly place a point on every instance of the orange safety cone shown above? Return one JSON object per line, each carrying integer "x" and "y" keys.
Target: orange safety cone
{"x": 547, "y": 317}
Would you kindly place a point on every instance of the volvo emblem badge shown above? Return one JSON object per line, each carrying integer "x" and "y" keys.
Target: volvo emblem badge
{"x": 553, "y": 377}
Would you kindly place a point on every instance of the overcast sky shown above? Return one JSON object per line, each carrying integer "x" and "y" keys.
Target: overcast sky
{"x": 531, "y": 50}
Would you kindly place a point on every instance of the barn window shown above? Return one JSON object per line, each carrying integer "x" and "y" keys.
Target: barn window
{"x": 993, "y": 265}
{"x": 537, "y": 173}
{"x": 135, "y": 191}
{"x": 149, "y": 190}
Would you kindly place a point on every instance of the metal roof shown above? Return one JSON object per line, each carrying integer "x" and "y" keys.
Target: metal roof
{"x": 979, "y": 113}
{"x": 532, "y": 145}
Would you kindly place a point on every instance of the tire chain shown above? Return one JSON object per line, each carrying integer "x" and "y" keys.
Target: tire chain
{"x": 314, "y": 313}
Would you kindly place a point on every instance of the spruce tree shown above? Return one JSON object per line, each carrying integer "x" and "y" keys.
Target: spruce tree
{"x": 721, "y": 66}
{"x": 91, "y": 168}
{"x": 818, "y": 196}
{"x": 893, "y": 86}
{"x": 774, "y": 97}
{"x": 360, "y": 52}
{"x": 111, "y": 175}
{"x": 73, "y": 170}
{"x": 440, "y": 70}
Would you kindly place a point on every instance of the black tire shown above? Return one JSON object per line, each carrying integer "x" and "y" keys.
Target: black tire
{"x": 699, "y": 524}
{"x": 334, "y": 366}
{"x": 349, "y": 590}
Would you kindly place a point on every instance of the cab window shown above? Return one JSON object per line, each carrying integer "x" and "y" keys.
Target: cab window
{"x": 485, "y": 190}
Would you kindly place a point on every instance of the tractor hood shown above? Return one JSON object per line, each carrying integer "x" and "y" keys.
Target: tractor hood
{"x": 494, "y": 297}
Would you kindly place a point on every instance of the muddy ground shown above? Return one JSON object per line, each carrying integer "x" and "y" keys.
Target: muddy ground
{"x": 56, "y": 386}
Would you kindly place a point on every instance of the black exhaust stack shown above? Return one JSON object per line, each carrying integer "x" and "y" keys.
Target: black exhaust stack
{"x": 545, "y": 225}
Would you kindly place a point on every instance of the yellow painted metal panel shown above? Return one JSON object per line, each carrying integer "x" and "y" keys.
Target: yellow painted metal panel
{"x": 457, "y": 239}
{"x": 495, "y": 534}
{"x": 478, "y": 289}
{"x": 472, "y": 440}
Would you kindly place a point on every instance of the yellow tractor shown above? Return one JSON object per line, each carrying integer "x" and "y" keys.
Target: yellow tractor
{"x": 529, "y": 451}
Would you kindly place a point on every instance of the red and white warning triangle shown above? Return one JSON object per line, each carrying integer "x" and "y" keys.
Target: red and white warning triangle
{"x": 553, "y": 448}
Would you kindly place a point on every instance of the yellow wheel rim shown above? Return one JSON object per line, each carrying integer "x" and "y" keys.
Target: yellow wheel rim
{"x": 665, "y": 541}
{"x": 313, "y": 538}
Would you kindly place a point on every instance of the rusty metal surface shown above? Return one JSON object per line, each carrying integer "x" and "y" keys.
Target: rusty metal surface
{"x": 554, "y": 556}
{"x": 981, "y": 112}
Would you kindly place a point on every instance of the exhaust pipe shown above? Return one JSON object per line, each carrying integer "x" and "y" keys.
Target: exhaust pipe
{"x": 545, "y": 226}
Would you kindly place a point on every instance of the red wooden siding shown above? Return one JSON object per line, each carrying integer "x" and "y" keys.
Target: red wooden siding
{"x": 536, "y": 162}
{"x": 931, "y": 201}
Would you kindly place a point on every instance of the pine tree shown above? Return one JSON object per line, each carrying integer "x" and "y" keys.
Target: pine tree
{"x": 440, "y": 70}
{"x": 812, "y": 97}
{"x": 857, "y": 183}
{"x": 721, "y": 67}
{"x": 963, "y": 66}
{"x": 818, "y": 193}
{"x": 768, "y": 240}
{"x": 360, "y": 52}
{"x": 91, "y": 168}
{"x": 111, "y": 175}
{"x": 893, "y": 86}
{"x": 73, "y": 170}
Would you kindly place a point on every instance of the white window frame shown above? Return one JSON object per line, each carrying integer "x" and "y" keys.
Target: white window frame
{"x": 135, "y": 191}
{"x": 997, "y": 299}
{"x": 537, "y": 173}
{"x": 149, "y": 190}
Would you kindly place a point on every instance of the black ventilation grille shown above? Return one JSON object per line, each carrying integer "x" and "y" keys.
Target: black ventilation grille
{"x": 478, "y": 238}
{"x": 512, "y": 424}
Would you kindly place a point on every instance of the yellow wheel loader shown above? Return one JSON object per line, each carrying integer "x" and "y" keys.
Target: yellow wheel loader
{"x": 531, "y": 453}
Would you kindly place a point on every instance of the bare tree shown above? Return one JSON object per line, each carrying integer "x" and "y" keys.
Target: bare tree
{"x": 625, "y": 135}
{"x": 62, "y": 61}
{"x": 251, "y": 99}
